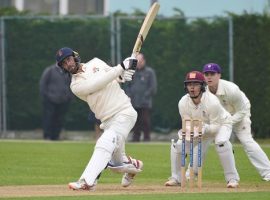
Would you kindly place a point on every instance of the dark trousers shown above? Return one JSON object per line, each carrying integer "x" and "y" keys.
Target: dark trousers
{"x": 53, "y": 117}
{"x": 143, "y": 124}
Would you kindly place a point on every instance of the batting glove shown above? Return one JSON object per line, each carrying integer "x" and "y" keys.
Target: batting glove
{"x": 127, "y": 75}
{"x": 129, "y": 63}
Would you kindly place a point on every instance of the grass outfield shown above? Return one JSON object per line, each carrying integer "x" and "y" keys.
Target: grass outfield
{"x": 24, "y": 163}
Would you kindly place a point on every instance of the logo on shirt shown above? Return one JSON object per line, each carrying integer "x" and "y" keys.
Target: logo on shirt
{"x": 95, "y": 69}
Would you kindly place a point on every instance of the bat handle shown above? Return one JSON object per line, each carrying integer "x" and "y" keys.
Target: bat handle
{"x": 134, "y": 54}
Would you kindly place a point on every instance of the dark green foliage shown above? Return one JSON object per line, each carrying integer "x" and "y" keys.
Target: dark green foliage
{"x": 173, "y": 47}
{"x": 252, "y": 66}
{"x": 31, "y": 45}
{"x": 6, "y": 11}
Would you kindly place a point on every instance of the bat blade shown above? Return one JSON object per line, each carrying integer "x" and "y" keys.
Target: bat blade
{"x": 147, "y": 23}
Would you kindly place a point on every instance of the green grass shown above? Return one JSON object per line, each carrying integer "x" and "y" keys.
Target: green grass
{"x": 50, "y": 163}
{"x": 214, "y": 196}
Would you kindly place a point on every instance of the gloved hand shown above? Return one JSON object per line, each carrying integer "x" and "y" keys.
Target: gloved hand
{"x": 187, "y": 133}
{"x": 129, "y": 63}
{"x": 196, "y": 132}
{"x": 126, "y": 76}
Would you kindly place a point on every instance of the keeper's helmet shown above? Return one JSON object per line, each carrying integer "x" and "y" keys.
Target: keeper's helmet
{"x": 195, "y": 76}
{"x": 65, "y": 52}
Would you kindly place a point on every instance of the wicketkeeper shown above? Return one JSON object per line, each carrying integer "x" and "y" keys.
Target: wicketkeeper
{"x": 217, "y": 127}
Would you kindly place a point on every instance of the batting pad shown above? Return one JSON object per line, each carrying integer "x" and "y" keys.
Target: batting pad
{"x": 126, "y": 168}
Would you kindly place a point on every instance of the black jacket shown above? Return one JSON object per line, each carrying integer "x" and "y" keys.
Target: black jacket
{"x": 55, "y": 85}
{"x": 142, "y": 88}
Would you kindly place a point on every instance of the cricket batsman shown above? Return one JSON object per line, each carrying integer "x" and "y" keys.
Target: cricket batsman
{"x": 97, "y": 84}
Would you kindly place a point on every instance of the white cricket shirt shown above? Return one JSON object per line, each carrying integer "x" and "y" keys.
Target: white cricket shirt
{"x": 97, "y": 86}
{"x": 233, "y": 100}
{"x": 209, "y": 110}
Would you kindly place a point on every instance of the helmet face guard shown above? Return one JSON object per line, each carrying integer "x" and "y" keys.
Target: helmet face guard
{"x": 77, "y": 57}
{"x": 203, "y": 85}
{"x": 195, "y": 76}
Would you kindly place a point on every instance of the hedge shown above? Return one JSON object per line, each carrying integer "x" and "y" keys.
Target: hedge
{"x": 173, "y": 47}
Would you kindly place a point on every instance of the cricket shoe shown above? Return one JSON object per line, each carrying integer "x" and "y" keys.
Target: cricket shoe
{"x": 81, "y": 185}
{"x": 232, "y": 184}
{"x": 172, "y": 182}
{"x": 129, "y": 177}
{"x": 267, "y": 177}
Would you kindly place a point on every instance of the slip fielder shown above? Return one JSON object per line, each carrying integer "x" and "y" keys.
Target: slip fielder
{"x": 238, "y": 105}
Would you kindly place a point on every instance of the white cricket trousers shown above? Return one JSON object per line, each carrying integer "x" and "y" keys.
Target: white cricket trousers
{"x": 256, "y": 155}
{"x": 111, "y": 145}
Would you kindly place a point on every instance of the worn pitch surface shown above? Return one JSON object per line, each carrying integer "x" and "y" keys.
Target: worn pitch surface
{"x": 116, "y": 189}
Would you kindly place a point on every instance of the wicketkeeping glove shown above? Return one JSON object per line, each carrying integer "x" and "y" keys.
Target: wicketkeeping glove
{"x": 196, "y": 132}
{"x": 129, "y": 63}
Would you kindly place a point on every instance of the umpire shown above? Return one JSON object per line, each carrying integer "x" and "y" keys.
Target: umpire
{"x": 56, "y": 96}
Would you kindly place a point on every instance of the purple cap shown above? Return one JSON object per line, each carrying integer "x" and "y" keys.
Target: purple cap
{"x": 212, "y": 67}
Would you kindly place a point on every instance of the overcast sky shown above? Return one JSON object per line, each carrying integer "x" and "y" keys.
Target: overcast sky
{"x": 191, "y": 8}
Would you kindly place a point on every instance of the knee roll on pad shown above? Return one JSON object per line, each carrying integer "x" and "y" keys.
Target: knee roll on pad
{"x": 223, "y": 147}
{"x": 107, "y": 141}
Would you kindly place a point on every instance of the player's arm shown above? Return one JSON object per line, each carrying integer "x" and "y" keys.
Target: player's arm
{"x": 183, "y": 108}
{"x": 84, "y": 87}
{"x": 241, "y": 105}
{"x": 218, "y": 117}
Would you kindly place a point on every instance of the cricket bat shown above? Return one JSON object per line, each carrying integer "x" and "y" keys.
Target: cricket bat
{"x": 147, "y": 23}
